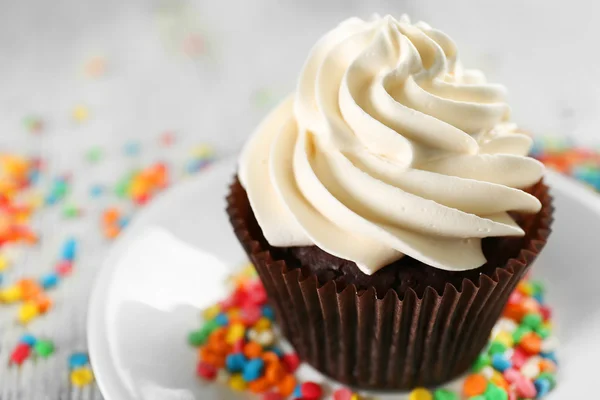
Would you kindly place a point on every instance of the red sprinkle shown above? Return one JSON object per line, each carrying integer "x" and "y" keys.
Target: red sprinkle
{"x": 291, "y": 362}
{"x": 311, "y": 391}
{"x": 206, "y": 371}
{"x": 546, "y": 313}
{"x": 519, "y": 357}
{"x": 20, "y": 353}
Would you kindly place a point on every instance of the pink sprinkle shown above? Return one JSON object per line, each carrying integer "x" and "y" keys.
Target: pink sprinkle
{"x": 512, "y": 395}
{"x": 291, "y": 362}
{"x": 515, "y": 298}
{"x": 519, "y": 357}
{"x": 525, "y": 388}
{"x": 512, "y": 375}
{"x": 64, "y": 268}
{"x": 343, "y": 394}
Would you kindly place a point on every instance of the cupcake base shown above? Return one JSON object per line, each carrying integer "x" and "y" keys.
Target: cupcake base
{"x": 388, "y": 337}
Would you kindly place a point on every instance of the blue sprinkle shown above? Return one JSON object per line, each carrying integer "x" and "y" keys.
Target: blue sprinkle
{"x": 51, "y": 199}
{"x": 1, "y": 279}
{"x": 542, "y": 387}
{"x": 132, "y": 148}
{"x": 297, "y": 392}
{"x": 267, "y": 311}
{"x": 276, "y": 350}
{"x": 96, "y": 190}
{"x": 501, "y": 362}
{"x": 69, "y": 249}
{"x": 28, "y": 339}
{"x": 253, "y": 369}
{"x": 34, "y": 176}
{"x": 235, "y": 362}
{"x": 78, "y": 360}
{"x": 222, "y": 319}
{"x": 539, "y": 297}
{"x": 124, "y": 221}
{"x": 550, "y": 356}
{"x": 49, "y": 280}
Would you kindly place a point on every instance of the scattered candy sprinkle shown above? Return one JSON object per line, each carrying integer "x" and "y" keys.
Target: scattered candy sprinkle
{"x": 30, "y": 345}
{"x": 230, "y": 341}
{"x": 95, "y": 67}
{"x": 33, "y": 124}
{"x": 94, "y": 155}
{"x": 80, "y": 113}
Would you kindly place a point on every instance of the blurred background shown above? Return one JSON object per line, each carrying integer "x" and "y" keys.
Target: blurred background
{"x": 209, "y": 70}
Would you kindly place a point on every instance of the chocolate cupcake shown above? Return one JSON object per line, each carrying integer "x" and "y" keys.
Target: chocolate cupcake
{"x": 389, "y": 207}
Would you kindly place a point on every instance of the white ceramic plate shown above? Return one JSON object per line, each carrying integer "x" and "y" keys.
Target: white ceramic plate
{"x": 174, "y": 258}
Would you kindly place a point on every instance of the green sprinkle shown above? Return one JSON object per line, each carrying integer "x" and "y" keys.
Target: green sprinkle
{"x": 520, "y": 332}
{"x": 483, "y": 360}
{"x": 549, "y": 377}
{"x": 44, "y": 348}
{"x": 443, "y": 394}
{"x": 543, "y": 332}
{"x": 538, "y": 287}
{"x": 70, "y": 211}
{"x": 94, "y": 155}
{"x": 122, "y": 186}
{"x": 478, "y": 397}
{"x": 532, "y": 320}
{"x": 493, "y": 392}
{"x": 198, "y": 337}
{"x": 496, "y": 348}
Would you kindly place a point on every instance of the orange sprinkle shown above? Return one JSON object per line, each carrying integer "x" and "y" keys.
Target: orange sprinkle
{"x": 531, "y": 343}
{"x": 252, "y": 350}
{"x": 260, "y": 385}
{"x": 515, "y": 312}
{"x": 43, "y": 303}
{"x": 274, "y": 373}
{"x": 270, "y": 357}
{"x": 29, "y": 288}
{"x": 111, "y": 231}
{"x": 217, "y": 336}
{"x": 287, "y": 385}
{"x": 547, "y": 365}
{"x": 474, "y": 385}
{"x": 110, "y": 216}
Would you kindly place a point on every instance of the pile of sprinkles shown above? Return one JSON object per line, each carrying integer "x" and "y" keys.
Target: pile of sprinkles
{"x": 238, "y": 347}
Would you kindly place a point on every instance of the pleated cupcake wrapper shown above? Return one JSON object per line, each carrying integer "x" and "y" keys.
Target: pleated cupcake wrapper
{"x": 364, "y": 341}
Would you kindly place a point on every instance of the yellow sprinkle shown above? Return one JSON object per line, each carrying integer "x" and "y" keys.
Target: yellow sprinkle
{"x": 498, "y": 379}
{"x": 235, "y": 333}
{"x": 355, "y": 397}
{"x": 233, "y": 313}
{"x": 262, "y": 324}
{"x": 237, "y": 383}
{"x": 3, "y": 263}
{"x": 420, "y": 394}
{"x": 27, "y": 312}
{"x": 505, "y": 338}
{"x": 81, "y": 113}
{"x": 211, "y": 312}
{"x": 202, "y": 151}
{"x": 11, "y": 294}
{"x": 82, "y": 377}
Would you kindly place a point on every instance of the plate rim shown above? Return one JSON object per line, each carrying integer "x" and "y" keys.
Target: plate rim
{"x": 109, "y": 382}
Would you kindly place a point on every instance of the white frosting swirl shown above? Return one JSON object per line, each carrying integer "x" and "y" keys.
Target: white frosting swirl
{"x": 389, "y": 147}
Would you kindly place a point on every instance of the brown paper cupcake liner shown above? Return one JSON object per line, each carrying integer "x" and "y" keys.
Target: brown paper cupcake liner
{"x": 386, "y": 342}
